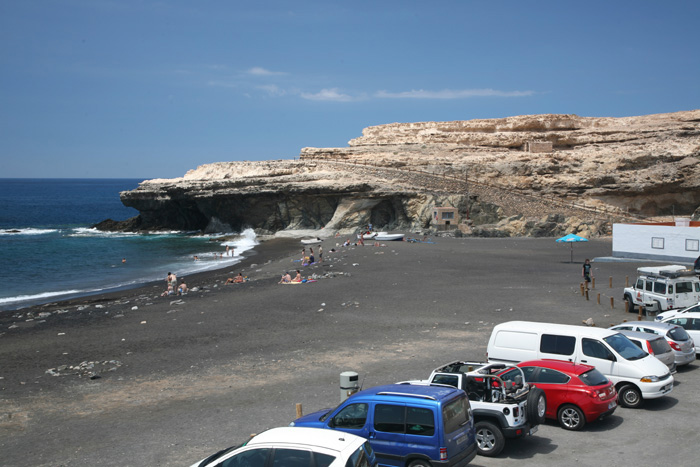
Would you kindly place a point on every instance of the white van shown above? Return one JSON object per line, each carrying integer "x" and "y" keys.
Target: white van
{"x": 636, "y": 374}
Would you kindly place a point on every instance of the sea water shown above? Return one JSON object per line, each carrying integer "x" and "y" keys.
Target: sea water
{"x": 50, "y": 251}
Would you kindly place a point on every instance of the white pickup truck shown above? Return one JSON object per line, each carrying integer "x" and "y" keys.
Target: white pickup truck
{"x": 663, "y": 288}
{"x": 502, "y": 409}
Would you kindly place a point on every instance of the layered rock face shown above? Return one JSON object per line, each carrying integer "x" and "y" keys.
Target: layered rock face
{"x": 647, "y": 165}
{"x": 519, "y": 171}
{"x": 272, "y": 196}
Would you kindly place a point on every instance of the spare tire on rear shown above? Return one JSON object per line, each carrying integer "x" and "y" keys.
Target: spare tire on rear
{"x": 536, "y": 406}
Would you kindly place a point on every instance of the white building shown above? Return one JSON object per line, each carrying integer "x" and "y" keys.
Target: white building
{"x": 678, "y": 242}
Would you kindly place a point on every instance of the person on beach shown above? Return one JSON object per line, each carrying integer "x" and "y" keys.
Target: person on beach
{"x": 311, "y": 256}
{"x": 285, "y": 278}
{"x": 320, "y": 254}
{"x": 235, "y": 280}
{"x": 297, "y": 278}
{"x": 182, "y": 289}
{"x": 168, "y": 291}
{"x": 196, "y": 258}
{"x": 587, "y": 271}
{"x": 123, "y": 260}
{"x": 227, "y": 250}
{"x": 361, "y": 240}
{"x": 173, "y": 281}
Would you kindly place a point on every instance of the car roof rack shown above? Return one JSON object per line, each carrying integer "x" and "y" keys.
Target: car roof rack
{"x": 393, "y": 393}
{"x": 670, "y": 272}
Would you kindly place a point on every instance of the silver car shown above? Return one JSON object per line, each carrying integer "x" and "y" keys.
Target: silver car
{"x": 679, "y": 340}
{"x": 654, "y": 345}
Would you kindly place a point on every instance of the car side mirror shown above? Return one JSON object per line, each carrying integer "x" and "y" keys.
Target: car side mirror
{"x": 331, "y": 424}
{"x": 612, "y": 358}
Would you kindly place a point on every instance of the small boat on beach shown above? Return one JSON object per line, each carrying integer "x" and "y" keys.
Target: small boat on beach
{"x": 311, "y": 241}
{"x": 367, "y": 236}
{"x": 387, "y": 237}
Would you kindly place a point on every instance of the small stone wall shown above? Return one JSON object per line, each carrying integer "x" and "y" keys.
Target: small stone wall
{"x": 539, "y": 146}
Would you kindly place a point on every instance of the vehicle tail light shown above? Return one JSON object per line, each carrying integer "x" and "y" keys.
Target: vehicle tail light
{"x": 674, "y": 345}
{"x": 443, "y": 454}
{"x": 650, "y": 351}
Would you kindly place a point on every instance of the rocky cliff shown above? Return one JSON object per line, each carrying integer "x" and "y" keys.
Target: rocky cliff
{"x": 526, "y": 175}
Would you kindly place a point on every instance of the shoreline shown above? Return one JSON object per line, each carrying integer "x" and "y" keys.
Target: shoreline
{"x": 267, "y": 250}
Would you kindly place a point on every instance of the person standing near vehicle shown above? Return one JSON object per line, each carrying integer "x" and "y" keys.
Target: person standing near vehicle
{"x": 587, "y": 271}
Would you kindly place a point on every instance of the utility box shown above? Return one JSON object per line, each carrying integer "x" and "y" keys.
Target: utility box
{"x": 349, "y": 384}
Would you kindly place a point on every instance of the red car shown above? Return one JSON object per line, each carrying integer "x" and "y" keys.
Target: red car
{"x": 576, "y": 393}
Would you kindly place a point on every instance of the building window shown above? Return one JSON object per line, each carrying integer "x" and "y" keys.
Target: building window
{"x": 692, "y": 244}
{"x": 657, "y": 242}
{"x": 448, "y": 215}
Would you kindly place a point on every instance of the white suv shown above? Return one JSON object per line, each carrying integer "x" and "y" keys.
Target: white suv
{"x": 663, "y": 288}
{"x": 296, "y": 446}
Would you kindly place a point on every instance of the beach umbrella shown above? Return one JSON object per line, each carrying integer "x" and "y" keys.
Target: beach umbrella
{"x": 571, "y": 238}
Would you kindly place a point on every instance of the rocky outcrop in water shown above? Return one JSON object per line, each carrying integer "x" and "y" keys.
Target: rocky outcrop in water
{"x": 511, "y": 176}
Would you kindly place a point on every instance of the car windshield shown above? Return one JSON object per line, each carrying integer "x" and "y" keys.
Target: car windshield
{"x": 625, "y": 347}
{"x": 678, "y": 334}
{"x": 593, "y": 378}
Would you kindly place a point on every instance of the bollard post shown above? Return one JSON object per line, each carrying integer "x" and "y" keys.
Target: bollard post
{"x": 581, "y": 284}
{"x": 299, "y": 411}
{"x": 612, "y": 303}
{"x": 611, "y": 282}
{"x": 349, "y": 384}
{"x": 593, "y": 282}
{"x": 639, "y": 315}
{"x": 598, "y": 299}
{"x": 586, "y": 294}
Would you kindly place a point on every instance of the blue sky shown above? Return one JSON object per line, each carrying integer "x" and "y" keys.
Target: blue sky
{"x": 124, "y": 88}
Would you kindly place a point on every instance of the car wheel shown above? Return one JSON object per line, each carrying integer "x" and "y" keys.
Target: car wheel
{"x": 489, "y": 439}
{"x": 571, "y": 417}
{"x": 629, "y": 396}
{"x": 536, "y": 406}
{"x": 630, "y": 304}
{"x": 419, "y": 463}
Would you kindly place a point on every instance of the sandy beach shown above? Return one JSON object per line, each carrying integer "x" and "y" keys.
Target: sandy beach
{"x": 177, "y": 378}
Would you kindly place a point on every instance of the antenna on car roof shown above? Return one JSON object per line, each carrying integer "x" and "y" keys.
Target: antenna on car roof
{"x": 363, "y": 382}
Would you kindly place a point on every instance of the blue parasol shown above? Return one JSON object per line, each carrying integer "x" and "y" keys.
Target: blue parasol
{"x": 571, "y": 238}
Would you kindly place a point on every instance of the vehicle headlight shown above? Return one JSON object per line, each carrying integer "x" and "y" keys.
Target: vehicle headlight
{"x": 650, "y": 379}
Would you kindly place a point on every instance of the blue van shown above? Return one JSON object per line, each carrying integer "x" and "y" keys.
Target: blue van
{"x": 407, "y": 426}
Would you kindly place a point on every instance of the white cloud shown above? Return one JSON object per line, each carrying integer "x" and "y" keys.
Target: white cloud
{"x": 450, "y": 94}
{"x": 259, "y": 71}
{"x": 272, "y": 90}
{"x": 327, "y": 95}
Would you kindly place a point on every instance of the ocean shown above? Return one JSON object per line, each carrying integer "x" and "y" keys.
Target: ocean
{"x": 50, "y": 251}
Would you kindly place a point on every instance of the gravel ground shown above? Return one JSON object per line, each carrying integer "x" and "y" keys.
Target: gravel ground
{"x": 175, "y": 380}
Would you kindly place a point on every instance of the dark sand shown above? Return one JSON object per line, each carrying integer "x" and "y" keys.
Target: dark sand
{"x": 231, "y": 360}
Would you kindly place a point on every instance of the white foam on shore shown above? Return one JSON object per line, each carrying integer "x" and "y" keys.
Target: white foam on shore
{"x": 27, "y": 231}
{"x": 93, "y": 232}
{"x": 39, "y": 296}
{"x": 214, "y": 260}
